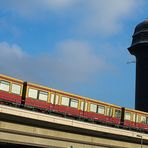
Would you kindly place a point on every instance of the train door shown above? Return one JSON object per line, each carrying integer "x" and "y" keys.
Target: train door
{"x": 83, "y": 108}
{"x": 109, "y": 114}
{"x": 54, "y": 101}
{"x": 109, "y": 111}
{"x": 135, "y": 118}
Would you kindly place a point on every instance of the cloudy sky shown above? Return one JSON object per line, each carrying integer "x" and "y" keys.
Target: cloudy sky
{"x": 79, "y": 46}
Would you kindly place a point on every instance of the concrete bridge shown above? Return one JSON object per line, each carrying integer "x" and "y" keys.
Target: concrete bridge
{"x": 23, "y": 128}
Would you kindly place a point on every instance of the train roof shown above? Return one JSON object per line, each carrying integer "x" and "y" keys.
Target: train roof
{"x": 10, "y": 78}
{"x": 136, "y": 111}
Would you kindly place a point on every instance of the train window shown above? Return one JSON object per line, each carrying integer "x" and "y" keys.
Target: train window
{"x": 143, "y": 119}
{"x": 118, "y": 113}
{"x": 54, "y": 99}
{"x": 51, "y": 98}
{"x": 16, "y": 89}
{"x": 65, "y": 101}
{"x": 82, "y": 105}
{"x": 74, "y": 103}
{"x": 127, "y": 116}
{"x": 43, "y": 96}
{"x": 101, "y": 109}
{"x": 4, "y": 85}
{"x": 93, "y": 108}
{"x": 33, "y": 93}
{"x": 86, "y": 104}
{"x": 137, "y": 118}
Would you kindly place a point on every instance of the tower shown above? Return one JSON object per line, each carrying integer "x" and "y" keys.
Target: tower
{"x": 139, "y": 48}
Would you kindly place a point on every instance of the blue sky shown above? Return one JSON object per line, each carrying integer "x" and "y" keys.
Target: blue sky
{"x": 79, "y": 46}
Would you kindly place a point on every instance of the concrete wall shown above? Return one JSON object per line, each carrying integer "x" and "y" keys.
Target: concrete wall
{"x": 25, "y": 127}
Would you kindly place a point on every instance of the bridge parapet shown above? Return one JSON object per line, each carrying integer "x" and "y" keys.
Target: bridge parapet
{"x": 71, "y": 129}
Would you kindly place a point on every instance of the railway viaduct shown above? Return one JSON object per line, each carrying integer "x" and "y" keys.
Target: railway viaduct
{"x": 24, "y": 128}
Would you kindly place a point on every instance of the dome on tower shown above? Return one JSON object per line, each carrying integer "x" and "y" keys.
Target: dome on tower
{"x": 141, "y": 33}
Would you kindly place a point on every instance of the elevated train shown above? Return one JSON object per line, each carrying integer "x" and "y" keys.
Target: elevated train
{"x": 45, "y": 99}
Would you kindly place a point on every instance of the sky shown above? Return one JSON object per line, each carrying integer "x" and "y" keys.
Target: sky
{"x": 78, "y": 46}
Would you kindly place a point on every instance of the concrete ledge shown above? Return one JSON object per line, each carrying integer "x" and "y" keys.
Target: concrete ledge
{"x": 68, "y": 122}
{"x": 41, "y": 137}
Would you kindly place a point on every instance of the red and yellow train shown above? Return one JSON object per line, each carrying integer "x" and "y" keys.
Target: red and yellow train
{"x": 45, "y": 99}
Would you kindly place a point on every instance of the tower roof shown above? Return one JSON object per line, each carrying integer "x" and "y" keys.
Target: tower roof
{"x": 142, "y": 26}
{"x": 141, "y": 33}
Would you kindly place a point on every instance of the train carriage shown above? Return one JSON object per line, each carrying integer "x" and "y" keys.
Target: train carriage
{"x": 10, "y": 90}
{"x": 36, "y": 96}
{"x": 136, "y": 119}
{"x": 103, "y": 112}
{"x": 70, "y": 104}
{"x": 45, "y": 98}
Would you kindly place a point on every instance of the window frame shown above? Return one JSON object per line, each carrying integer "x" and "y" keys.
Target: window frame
{"x": 71, "y": 102}
{"x": 93, "y": 111}
{"x": 143, "y": 116}
{"x": 7, "y": 85}
{"x": 17, "y": 85}
{"x": 117, "y": 110}
{"x": 130, "y": 115}
{"x": 101, "y": 109}
{"x": 36, "y": 95}
{"x": 67, "y": 102}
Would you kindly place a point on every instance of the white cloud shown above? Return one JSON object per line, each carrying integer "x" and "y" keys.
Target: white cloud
{"x": 12, "y": 59}
{"x": 76, "y": 61}
{"x": 35, "y": 8}
{"x": 90, "y": 16}
{"x": 73, "y": 61}
{"x": 105, "y": 16}
{"x": 10, "y": 51}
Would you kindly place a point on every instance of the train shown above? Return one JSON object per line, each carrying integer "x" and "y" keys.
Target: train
{"x": 36, "y": 97}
